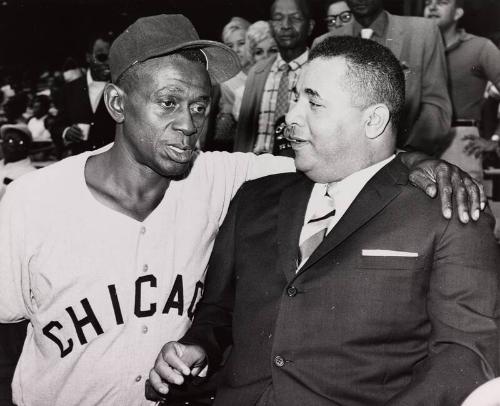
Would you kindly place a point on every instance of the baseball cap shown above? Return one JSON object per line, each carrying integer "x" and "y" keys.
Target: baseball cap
{"x": 155, "y": 36}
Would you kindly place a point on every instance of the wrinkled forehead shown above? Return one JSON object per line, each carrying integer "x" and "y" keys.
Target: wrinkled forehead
{"x": 190, "y": 77}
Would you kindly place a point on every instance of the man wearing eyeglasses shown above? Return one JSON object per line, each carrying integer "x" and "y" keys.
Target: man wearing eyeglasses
{"x": 420, "y": 50}
{"x": 269, "y": 85}
{"x": 84, "y": 124}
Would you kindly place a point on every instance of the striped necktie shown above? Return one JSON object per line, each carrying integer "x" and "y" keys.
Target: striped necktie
{"x": 316, "y": 228}
{"x": 283, "y": 96}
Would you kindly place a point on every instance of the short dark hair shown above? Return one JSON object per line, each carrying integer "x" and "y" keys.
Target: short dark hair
{"x": 303, "y": 5}
{"x": 373, "y": 75}
{"x": 129, "y": 77}
{"x": 460, "y": 3}
{"x": 328, "y": 3}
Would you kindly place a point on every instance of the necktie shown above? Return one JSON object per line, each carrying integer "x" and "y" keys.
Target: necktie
{"x": 316, "y": 228}
{"x": 366, "y": 33}
{"x": 283, "y": 96}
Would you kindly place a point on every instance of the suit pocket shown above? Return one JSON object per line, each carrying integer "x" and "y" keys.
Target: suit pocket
{"x": 374, "y": 262}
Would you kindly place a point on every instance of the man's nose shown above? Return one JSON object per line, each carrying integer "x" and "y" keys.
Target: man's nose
{"x": 286, "y": 22}
{"x": 185, "y": 124}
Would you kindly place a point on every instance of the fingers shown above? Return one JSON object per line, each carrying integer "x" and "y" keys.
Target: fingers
{"x": 422, "y": 180}
{"x": 157, "y": 383}
{"x": 474, "y": 197}
{"x": 482, "y": 194}
{"x": 444, "y": 184}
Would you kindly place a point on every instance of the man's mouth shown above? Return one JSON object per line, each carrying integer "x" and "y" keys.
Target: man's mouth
{"x": 179, "y": 153}
{"x": 297, "y": 142}
{"x": 433, "y": 16}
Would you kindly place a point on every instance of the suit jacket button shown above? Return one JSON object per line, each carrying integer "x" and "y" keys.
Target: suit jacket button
{"x": 279, "y": 361}
{"x": 291, "y": 291}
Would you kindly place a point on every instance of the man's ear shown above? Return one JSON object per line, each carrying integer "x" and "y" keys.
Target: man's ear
{"x": 311, "y": 27}
{"x": 376, "y": 119}
{"x": 88, "y": 58}
{"x": 459, "y": 13}
{"x": 114, "y": 98}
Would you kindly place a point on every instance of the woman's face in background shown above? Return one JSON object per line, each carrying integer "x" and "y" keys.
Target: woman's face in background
{"x": 236, "y": 41}
{"x": 338, "y": 15}
{"x": 264, "y": 49}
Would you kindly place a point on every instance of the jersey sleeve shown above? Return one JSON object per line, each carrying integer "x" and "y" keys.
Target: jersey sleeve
{"x": 14, "y": 276}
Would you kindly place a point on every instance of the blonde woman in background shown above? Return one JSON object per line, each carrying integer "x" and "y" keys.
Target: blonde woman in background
{"x": 259, "y": 45}
{"x": 233, "y": 35}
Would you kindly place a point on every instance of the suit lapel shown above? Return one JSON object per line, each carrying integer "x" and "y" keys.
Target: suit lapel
{"x": 292, "y": 208}
{"x": 377, "y": 194}
{"x": 394, "y": 36}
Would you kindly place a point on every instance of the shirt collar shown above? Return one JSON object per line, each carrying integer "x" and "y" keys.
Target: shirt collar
{"x": 345, "y": 191}
{"x": 462, "y": 37}
{"x": 90, "y": 79}
{"x": 294, "y": 64}
{"x": 379, "y": 26}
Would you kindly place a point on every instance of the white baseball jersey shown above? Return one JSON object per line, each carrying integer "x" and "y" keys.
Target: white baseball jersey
{"x": 104, "y": 292}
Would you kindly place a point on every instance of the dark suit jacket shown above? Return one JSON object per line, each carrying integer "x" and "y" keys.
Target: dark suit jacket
{"x": 351, "y": 330}
{"x": 75, "y": 108}
{"x": 248, "y": 120}
{"x": 417, "y": 44}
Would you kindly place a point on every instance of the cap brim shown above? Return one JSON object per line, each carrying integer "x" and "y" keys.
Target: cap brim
{"x": 222, "y": 62}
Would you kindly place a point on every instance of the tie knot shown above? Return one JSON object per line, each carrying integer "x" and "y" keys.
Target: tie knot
{"x": 285, "y": 68}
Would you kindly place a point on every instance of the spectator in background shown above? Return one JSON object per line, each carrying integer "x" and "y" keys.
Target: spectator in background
{"x": 472, "y": 61}
{"x": 270, "y": 83}
{"x": 259, "y": 45}
{"x": 71, "y": 70}
{"x": 338, "y": 14}
{"x": 16, "y": 141}
{"x": 233, "y": 35}
{"x": 417, "y": 44}
{"x": 15, "y": 107}
{"x": 36, "y": 124}
{"x": 83, "y": 121}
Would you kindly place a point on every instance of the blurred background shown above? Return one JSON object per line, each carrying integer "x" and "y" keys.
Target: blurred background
{"x": 37, "y": 35}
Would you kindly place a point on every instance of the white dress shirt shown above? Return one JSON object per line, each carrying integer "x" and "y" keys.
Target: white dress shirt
{"x": 343, "y": 192}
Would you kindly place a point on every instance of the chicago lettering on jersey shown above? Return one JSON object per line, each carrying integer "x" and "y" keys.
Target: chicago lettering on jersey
{"x": 174, "y": 303}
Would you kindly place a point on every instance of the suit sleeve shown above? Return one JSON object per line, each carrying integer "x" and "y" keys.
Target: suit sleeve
{"x": 212, "y": 323}
{"x": 245, "y": 136}
{"x": 463, "y": 307}
{"x": 433, "y": 122}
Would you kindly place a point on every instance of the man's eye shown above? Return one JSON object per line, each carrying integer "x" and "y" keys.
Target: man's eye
{"x": 169, "y": 104}
{"x": 258, "y": 52}
{"x": 314, "y": 105}
{"x": 199, "y": 108}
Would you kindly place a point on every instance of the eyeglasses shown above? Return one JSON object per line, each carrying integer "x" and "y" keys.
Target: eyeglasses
{"x": 279, "y": 19}
{"x": 344, "y": 17}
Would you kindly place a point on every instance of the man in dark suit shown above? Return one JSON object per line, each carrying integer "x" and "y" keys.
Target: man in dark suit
{"x": 395, "y": 306}
{"x": 83, "y": 122}
{"x": 420, "y": 50}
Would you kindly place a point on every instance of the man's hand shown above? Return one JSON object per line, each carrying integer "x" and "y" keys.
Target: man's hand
{"x": 433, "y": 175}
{"x": 175, "y": 361}
{"x": 477, "y": 145}
{"x": 74, "y": 134}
